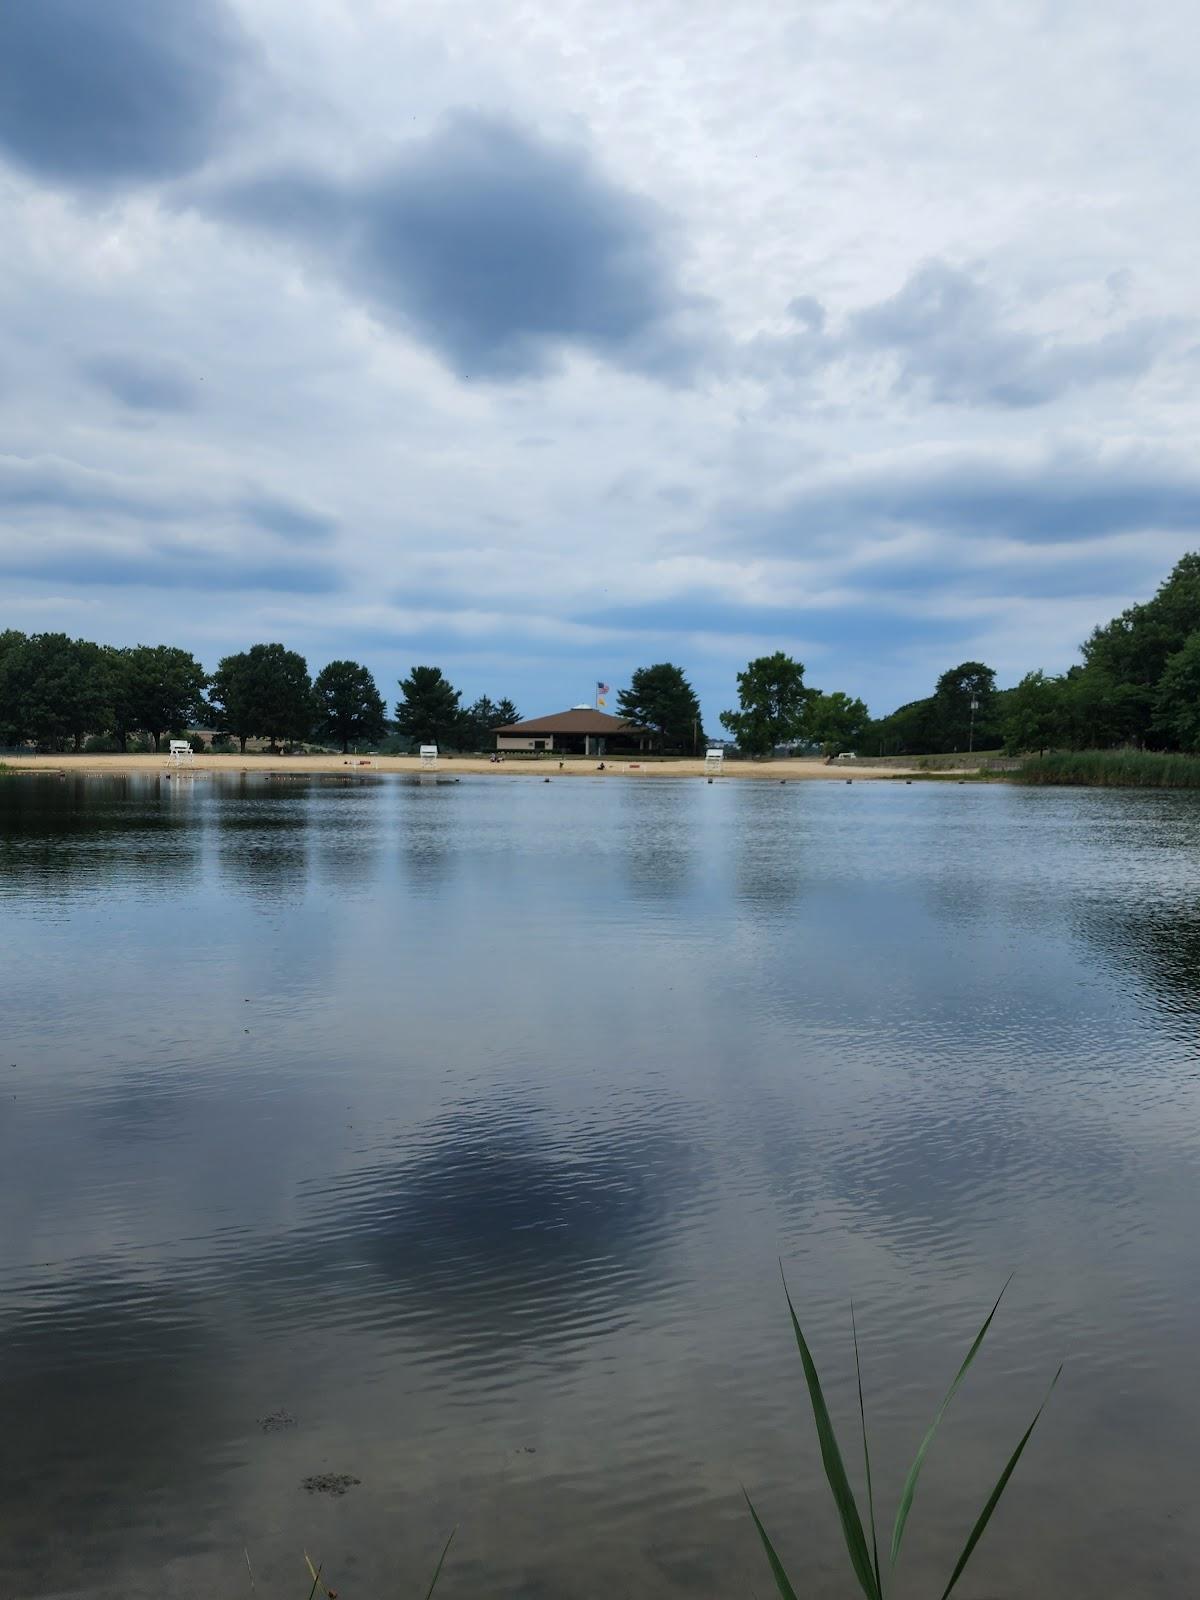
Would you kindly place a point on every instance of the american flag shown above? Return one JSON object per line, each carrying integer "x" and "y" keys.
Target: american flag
{"x": 601, "y": 688}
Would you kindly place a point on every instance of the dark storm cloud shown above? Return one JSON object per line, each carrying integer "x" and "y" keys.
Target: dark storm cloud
{"x": 1049, "y": 500}
{"x": 143, "y": 383}
{"x": 94, "y": 92}
{"x": 493, "y": 246}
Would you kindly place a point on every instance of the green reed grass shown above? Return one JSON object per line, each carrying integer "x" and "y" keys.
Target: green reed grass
{"x": 864, "y": 1560}
{"x": 1113, "y": 769}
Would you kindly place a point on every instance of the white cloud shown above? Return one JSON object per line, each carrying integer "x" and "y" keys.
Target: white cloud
{"x": 873, "y": 485}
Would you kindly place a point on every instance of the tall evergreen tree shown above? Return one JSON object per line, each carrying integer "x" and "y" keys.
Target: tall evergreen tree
{"x": 477, "y": 724}
{"x": 661, "y": 698}
{"x": 427, "y": 711}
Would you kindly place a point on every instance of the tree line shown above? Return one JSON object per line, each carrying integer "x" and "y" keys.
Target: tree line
{"x": 57, "y": 692}
{"x": 776, "y": 708}
{"x": 1138, "y": 683}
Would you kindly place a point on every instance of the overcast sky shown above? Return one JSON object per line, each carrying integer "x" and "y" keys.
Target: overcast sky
{"x": 539, "y": 341}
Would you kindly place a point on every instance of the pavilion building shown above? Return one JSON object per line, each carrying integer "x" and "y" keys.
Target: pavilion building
{"x": 582, "y": 731}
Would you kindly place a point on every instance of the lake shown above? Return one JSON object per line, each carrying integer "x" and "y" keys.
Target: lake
{"x": 447, "y": 1138}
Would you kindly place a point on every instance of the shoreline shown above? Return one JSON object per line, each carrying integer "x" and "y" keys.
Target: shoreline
{"x": 792, "y": 768}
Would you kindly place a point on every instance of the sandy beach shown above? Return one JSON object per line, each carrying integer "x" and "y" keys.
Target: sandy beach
{"x": 296, "y": 766}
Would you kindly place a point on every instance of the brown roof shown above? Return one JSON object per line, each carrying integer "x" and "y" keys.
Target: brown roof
{"x": 585, "y": 721}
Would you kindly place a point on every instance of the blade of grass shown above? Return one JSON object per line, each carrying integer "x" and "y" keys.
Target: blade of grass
{"x": 437, "y": 1571}
{"x": 914, "y": 1472}
{"x": 316, "y": 1576}
{"x": 250, "y": 1570}
{"x": 985, "y": 1515}
{"x": 782, "y": 1582}
{"x": 835, "y": 1471}
{"x": 862, "y": 1412}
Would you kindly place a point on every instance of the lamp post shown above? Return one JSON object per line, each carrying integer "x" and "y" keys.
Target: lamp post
{"x": 974, "y": 709}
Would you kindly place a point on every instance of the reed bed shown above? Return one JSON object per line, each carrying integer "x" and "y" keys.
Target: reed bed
{"x": 1113, "y": 769}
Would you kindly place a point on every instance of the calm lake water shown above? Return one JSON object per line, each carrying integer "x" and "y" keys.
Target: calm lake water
{"x": 447, "y": 1136}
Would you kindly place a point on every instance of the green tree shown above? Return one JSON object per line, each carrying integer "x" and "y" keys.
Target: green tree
{"x": 835, "y": 721}
{"x": 772, "y": 703}
{"x": 1034, "y": 714}
{"x": 1098, "y": 711}
{"x": 428, "y": 710}
{"x": 952, "y": 716}
{"x": 349, "y": 706}
{"x": 478, "y": 723}
{"x": 156, "y": 688}
{"x": 264, "y": 692}
{"x": 661, "y": 698}
{"x": 10, "y": 727}
{"x": 232, "y": 697}
{"x": 1129, "y": 655}
{"x": 909, "y": 730}
{"x": 506, "y": 714}
{"x": 1177, "y": 696}
{"x": 55, "y": 688}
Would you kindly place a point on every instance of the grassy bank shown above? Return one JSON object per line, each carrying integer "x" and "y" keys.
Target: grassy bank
{"x": 1113, "y": 769}
{"x": 954, "y": 761}
{"x": 956, "y": 775}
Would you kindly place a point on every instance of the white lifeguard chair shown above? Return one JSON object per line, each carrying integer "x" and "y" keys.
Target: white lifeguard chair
{"x": 713, "y": 760}
{"x": 429, "y": 753}
{"x": 181, "y": 753}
